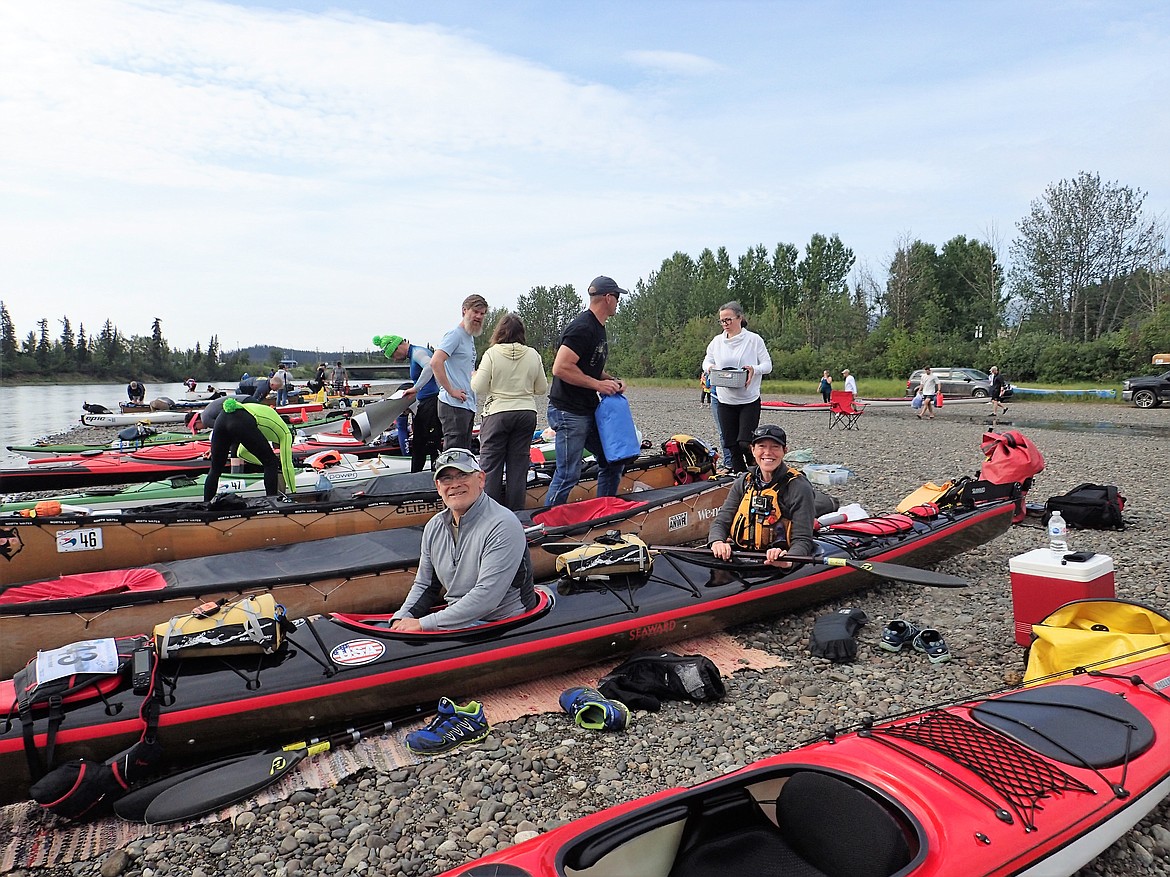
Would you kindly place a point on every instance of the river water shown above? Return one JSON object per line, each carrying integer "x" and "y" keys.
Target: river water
{"x": 32, "y": 411}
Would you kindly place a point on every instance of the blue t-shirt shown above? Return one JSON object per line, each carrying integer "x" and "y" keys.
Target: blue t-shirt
{"x": 460, "y": 349}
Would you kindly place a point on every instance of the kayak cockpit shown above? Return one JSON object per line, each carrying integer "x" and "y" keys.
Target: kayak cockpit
{"x": 802, "y": 823}
{"x": 380, "y": 624}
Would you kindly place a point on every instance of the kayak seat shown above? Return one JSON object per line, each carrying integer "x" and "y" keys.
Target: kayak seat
{"x": 825, "y": 827}
{"x": 1072, "y": 724}
{"x": 381, "y": 623}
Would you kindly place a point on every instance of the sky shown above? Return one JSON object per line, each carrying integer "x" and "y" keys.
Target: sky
{"x": 308, "y": 175}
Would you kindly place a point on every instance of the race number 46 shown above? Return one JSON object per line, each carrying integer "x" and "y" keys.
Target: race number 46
{"x": 89, "y": 539}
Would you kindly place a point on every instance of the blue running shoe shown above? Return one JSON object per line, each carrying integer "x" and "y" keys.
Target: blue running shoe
{"x": 898, "y": 635}
{"x": 453, "y": 726}
{"x": 930, "y": 642}
{"x": 593, "y": 711}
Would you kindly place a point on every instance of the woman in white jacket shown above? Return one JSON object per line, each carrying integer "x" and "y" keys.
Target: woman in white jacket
{"x": 739, "y": 407}
{"x": 509, "y": 378}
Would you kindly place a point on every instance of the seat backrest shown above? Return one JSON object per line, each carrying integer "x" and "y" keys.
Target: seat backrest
{"x": 840, "y": 400}
{"x": 840, "y": 829}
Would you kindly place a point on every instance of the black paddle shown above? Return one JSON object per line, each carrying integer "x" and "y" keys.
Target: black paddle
{"x": 210, "y": 787}
{"x": 881, "y": 570}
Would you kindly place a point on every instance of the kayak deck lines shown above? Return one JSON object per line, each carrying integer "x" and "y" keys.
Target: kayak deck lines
{"x": 1018, "y": 775}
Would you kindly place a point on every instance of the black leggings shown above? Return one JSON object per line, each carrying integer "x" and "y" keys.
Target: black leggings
{"x": 736, "y": 424}
{"x": 239, "y": 428}
{"x": 426, "y": 438}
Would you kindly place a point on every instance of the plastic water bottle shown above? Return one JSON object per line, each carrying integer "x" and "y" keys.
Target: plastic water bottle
{"x": 1058, "y": 534}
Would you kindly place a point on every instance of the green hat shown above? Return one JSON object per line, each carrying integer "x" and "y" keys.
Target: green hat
{"x": 388, "y": 343}
{"x": 231, "y": 405}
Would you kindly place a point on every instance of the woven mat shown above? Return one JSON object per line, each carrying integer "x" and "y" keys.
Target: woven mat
{"x": 31, "y": 838}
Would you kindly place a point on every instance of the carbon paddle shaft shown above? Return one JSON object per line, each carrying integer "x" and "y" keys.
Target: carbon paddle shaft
{"x": 896, "y": 571}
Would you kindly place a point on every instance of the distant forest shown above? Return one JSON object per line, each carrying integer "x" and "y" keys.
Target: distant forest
{"x": 1087, "y": 298}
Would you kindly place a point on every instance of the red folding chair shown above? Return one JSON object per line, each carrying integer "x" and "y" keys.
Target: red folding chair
{"x": 843, "y": 410}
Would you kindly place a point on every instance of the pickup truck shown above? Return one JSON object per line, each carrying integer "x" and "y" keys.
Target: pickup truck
{"x": 1148, "y": 391}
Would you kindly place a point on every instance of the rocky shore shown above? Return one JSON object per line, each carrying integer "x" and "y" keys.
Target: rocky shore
{"x": 538, "y": 772}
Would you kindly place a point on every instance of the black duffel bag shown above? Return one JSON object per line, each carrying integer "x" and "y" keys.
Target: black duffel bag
{"x": 1089, "y": 507}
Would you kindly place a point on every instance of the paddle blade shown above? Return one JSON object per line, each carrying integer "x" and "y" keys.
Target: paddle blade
{"x": 911, "y": 574}
{"x": 133, "y": 805}
{"x": 226, "y": 784}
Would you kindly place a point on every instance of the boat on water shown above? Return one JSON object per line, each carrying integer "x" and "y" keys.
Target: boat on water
{"x": 365, "y": 572}
{"x": 323, "y": 471}
{"x": 44, "y": 547}
{"x": 344, "y": 667}
{"x": 1033, "y": 781}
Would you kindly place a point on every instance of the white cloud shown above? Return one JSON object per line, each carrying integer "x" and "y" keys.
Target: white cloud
{"x": 281, "y": 176}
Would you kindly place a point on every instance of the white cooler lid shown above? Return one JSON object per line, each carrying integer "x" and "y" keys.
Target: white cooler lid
{"x": 1043, "y": 562}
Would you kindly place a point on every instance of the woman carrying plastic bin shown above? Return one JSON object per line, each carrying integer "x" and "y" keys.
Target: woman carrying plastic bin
{"x": 744, "y": 353}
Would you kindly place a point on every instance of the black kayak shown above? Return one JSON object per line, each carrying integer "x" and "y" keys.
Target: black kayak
{"x": 337, "y": 669}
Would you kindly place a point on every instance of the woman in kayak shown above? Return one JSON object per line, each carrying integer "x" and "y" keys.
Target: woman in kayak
{"x": 769, "y": 508}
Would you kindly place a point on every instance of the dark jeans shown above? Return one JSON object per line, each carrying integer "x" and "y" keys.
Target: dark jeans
{"x": 239, "y": 428}
{"x": 427, "y": 436}
{"x": 736, "y": 424}
{"x": 457, "y": 425}
{"x": 505, "y": 443}
{"x": 577, "y": 433}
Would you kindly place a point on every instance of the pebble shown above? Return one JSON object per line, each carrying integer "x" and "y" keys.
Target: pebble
{"x": 539, "y": 772}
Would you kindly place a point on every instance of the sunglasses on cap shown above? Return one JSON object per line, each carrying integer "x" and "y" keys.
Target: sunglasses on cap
{"x": 457, "y": 457}
{"x": 770, "y": 431}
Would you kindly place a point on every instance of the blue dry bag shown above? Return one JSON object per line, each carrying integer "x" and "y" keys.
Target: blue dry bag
{"x": 615, "y": 425}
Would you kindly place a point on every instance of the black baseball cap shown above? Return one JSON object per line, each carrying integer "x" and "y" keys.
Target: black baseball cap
{"x": 770, "y": 431}
{"x": 605, "y": 286}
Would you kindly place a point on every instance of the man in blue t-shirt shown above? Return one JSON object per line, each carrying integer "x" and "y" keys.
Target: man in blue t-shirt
{"x": 453, "y": 362}
{"x": 579, "y": 375}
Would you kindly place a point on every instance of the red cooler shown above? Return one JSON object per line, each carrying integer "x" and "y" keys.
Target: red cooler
{"x": 1041, "y": 583}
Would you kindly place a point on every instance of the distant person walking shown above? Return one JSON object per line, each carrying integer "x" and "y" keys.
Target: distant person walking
{"x": 997, "y": 385}
{"x": 579, "y": 380}
{"x": 453, "y": 362}
{"x": 705, "y": 388}
{"x": 509, "y": 378}
{"x": 850, "y": 381}
{"x": 739, "y": 407}
{"x": 285, "y": 385}
{"x": 826, "y": 386}
{"x": 339, "y": 378}
{"x": 928, "y": 386}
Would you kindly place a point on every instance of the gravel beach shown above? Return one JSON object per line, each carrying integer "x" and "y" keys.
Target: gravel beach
{"x": 538, "y": 772}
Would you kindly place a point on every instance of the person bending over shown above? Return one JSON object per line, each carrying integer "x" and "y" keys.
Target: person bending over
{"x": 769, "y": 508}
{"x": 257, "y": 428}
{"x": 474, "y": 556}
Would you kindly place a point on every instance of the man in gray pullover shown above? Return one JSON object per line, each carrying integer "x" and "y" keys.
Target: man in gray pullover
{"x": 474, "y": 556}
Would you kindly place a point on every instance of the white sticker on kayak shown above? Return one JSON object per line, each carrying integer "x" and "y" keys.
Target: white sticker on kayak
{"x": 357, "y": 651}
{"x": 90, "y": 656}
{"x": 89, "y": 539}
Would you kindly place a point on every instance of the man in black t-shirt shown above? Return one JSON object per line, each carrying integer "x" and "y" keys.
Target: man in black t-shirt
{"x": 579, "y": 375}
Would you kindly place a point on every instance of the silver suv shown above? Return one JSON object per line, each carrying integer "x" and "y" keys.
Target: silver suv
{"x": 958, "y": 382}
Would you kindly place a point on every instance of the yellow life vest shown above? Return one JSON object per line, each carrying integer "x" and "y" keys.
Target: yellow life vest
{"x": 760, "y": 521}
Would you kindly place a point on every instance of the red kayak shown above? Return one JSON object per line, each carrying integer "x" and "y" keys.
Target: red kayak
{"x": 100, "y": 467}
{"x": 1036, "y": 781}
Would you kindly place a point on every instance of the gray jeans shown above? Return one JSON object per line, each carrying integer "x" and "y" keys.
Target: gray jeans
{"x": 457, "y": 423}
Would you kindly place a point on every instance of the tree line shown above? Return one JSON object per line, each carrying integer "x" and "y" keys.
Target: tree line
{"x": 1087, "y": 298}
